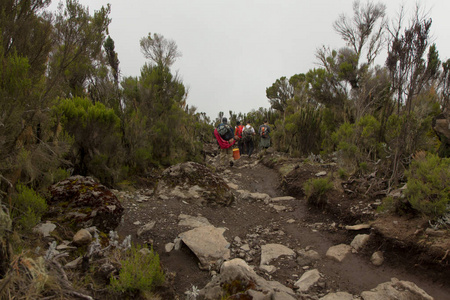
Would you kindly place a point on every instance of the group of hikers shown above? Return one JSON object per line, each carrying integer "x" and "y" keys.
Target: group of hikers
{"x": 242, "y": 137}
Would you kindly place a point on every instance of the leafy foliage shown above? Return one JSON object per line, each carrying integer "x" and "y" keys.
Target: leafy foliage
{"x": 316, "y": 188}
{"x": 27, "y": 207}
{"x": 428, "y": 188}
{"x": 140, "y": 271}
{"x": 96, "y": 134}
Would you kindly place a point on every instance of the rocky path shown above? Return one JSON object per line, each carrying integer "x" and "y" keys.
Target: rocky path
{"x": 304, "y": 250}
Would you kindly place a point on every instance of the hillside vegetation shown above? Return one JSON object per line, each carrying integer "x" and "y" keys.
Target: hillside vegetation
{"x": 66, "y": 110}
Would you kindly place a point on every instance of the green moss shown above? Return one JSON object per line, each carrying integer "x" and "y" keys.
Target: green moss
{"x": 238, "y": 286}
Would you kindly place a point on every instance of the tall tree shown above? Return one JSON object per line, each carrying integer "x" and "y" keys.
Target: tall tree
{"x": 279, "y": 93}
{"x": 365, "y": 30}
{"x": 79, "y": 37}
{"x": 159, "y": 50}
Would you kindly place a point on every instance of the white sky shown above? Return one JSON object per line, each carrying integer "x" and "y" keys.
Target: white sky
{"x": 232, "y": 50}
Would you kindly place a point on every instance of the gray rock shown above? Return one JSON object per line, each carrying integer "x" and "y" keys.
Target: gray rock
{"x": 146, "y": 228}
{"x": 338, "y": 252}
{"x": 169, "y": 247}
{"x": 273, "y": 251}
{"x": 268, "y": 269}
{"x": 194, "y": 183}
{"x": 338, "y": 296}
{"x": 377, "y": 258}
{"x": 359, "y": 241}
{"x": 82, "y": 237}
{"x": 307, "y": 257}
{"x": 357, "y": 227}
{"x": 74, "y": 263}
{"x": 284, "y": 198}
{"x": 208, "y": 244}
{"x": 396, "y": 290}
{"x": 307, "y": 280}
{"x": 260, "y": 197}
{"x": 193, "y": 222}
{"x": 258, "y": 287}
{"x": 44, "y": 229}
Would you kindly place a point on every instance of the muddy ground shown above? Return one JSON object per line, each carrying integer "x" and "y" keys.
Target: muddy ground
{"x": 298, "y": 227}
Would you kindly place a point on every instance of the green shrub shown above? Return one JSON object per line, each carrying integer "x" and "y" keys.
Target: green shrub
{"x": 342, "y": 173}
{"x": 363, "y": 166}
{"x": 428, "y": 188}
{"x": 139, "y": 272}
{"x": 316, "y": 188}
{"x": 397, "y": 206}
{"x": 27, "y": 207}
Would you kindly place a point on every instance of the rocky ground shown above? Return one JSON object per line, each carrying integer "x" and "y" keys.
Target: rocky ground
{"x": 270, "y": 210}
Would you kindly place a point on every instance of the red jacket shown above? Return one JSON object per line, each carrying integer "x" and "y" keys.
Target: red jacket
{"x": 238, "y": 131}
{"x": 222, "y": 143}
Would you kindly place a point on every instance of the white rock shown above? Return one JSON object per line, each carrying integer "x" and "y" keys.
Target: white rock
{"x": 377, "y": 258}
{"x": 267, "y": 268}
{"x": 358, "y": 227}
{"x": 395, "y": 289}
{"x": 273, "y": 251}
{"x": 169, "y": 247}
{"x": 284, "y": 198}
{"x": 82, "y": 237}
{"x": 338, "y": 296}
{"x": 193, "y": 222}
{"x": 45, "y": 229}
{"x": 360, "y": 241}
{"x": 308, "y": 280}
{"x": 208, "y": 244}
{"x": 339, "y": 252}
{"x": 146, "y": 228}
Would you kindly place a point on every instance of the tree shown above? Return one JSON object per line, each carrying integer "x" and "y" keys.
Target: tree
{"x": 409, "y": 74}
{"x": 159, "y": 50}
{"x": 364, "y": 34}
{"x": 365, "y": 31}
{"x": 279, "y": 93}
{"x": 26, "y": 29}
{"x": 79, "y": 39}
{"x": 96, "y": 133}
{"x": 407, "y": 67}
{"x": 112, "y": 57}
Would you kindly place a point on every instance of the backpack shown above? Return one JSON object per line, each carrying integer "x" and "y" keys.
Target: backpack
{"x": 225, "y": 131}
{"x": 238, "y": 131}
{"x": 247, "y": 134}
{"x": 264, "y": 132}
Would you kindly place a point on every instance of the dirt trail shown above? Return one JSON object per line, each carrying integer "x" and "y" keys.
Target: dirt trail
{"x": 298, "y": 227}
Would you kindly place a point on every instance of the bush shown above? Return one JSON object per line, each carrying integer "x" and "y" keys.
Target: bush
{"x": 428, "y": 187}
{"x": 140, "y": 272}
{"x": 316, "y": 188}
{"x": 27, "y": 207}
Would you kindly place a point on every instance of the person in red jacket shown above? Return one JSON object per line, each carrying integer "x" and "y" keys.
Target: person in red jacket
{"x": 238, "y": 135}
{"x": 226, "y": 139}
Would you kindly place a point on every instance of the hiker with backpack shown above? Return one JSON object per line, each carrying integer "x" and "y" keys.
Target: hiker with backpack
{"x": 247, "y": 136}
{"x": 226, "y": 139}
{"x": 238, "y": 135}
{"x": 264, "y": 131}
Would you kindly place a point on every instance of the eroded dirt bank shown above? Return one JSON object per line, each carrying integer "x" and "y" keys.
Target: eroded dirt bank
{"x": 291, "y": 223}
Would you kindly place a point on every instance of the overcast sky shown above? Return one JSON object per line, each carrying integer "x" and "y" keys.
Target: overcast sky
{"x": 232, "y": 50}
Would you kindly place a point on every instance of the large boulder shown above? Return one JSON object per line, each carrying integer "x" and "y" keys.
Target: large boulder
{"x": 194, "y": 183}
{"x": 396, "y": 290}
{"x": 238, "y": 279}
{"x": 84, "y": 202}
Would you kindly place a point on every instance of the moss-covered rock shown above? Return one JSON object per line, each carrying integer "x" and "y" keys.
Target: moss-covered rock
{"x": 82, "y": 202}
